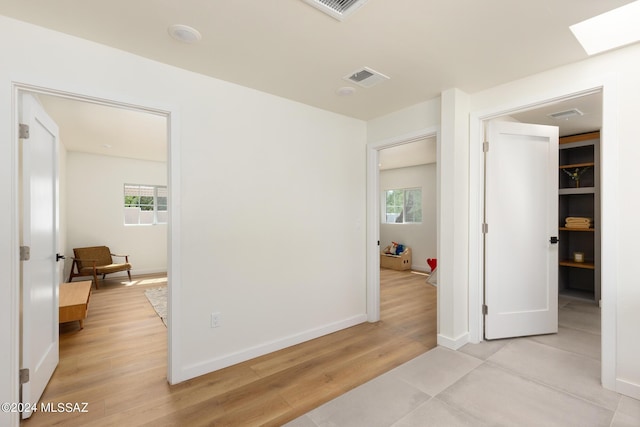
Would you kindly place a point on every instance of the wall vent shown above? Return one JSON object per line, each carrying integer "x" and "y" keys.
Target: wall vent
{"x": 338, "y": 9}
{"x": 566, "y": 114}
{"x": 366, "y": 77}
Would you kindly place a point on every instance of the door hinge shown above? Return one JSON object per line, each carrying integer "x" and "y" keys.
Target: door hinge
{"x": 24, "y": 376}
{"x": 25, "y": 253}
{"x": 378, "y": 242}
{"x": 485, "y": 146}
{"x": 485, "y": 309}
{"x": 23, "y": 131}
{"x": 485, "y": 228}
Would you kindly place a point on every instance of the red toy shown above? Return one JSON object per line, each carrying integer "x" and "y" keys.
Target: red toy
{"x": 433, "y": 263}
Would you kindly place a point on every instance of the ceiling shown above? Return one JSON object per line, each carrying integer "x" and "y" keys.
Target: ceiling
{"x": 109, "y": 131}
{"x": 290, "y": 49}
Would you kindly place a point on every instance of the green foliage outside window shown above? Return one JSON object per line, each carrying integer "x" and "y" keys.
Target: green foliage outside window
{"x": 403, "y": 206}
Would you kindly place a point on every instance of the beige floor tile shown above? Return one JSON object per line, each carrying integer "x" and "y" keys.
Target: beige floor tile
{"x": 436, "y": 413}
{"x": 484, "y": 349}
{"x": 501, "y": 398}
{"x": 573, "y": 340}
{"x": 580, "y": 315}
{"x": 570, "y": 372}
{"x": 380, "y": 402}
{"x": 630, "y": 406}
{"x": 436, "y": 370}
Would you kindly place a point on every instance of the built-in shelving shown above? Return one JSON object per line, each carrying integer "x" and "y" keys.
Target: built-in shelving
{"x": 579, "y": 155}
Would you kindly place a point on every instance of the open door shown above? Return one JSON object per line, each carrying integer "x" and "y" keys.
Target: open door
{"x": 40, "y": 276}
{"x": 520, "y": 240}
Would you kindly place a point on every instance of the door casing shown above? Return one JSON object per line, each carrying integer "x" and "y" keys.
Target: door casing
{"x": 173, "y": 259}
{"x": 373, "y": 212}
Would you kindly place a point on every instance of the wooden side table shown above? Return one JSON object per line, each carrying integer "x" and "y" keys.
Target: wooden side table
{"x": 74, "y": 302}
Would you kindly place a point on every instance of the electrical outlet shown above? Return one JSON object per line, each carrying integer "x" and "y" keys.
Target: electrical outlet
{"x": 215, "y": 320}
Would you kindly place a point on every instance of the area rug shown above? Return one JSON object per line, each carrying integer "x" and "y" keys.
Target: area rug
{"x": 158, "y": 299}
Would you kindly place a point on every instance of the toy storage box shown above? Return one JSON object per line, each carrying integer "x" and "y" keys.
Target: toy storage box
{"x": 396, "y": 262}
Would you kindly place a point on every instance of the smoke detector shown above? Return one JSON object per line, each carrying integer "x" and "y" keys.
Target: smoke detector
{"x": 184, "y": 33}
{"x": 338, "y": 9}
{"x": 566, "y": 114}
{"x": 366, "y": 77}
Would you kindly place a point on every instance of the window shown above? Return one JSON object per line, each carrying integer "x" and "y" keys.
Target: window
{"x": 145, "y": 204}
{"x": 402, "y": 206}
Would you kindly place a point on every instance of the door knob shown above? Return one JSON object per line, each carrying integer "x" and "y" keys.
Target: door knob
{"x": 59, "y": 257}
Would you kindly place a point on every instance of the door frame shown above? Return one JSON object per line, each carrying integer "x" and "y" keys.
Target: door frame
{"x": 609, "y": 204}
{"x": 373, "y": 211}
{"x": 173, "y": 231}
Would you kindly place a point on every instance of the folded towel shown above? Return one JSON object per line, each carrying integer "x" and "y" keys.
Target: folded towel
{"x": 578, "y": 219}
{"x": 577, "y": 225}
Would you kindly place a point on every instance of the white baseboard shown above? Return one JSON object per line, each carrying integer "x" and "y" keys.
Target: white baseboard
{"x": 628, "y": 388}
{"x": 420, "y": 268}
{"x": 453, "y": 343}
{"x": 211, "y": 365}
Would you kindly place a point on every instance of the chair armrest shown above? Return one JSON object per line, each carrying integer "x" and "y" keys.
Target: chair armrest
{"x": 126, "y": 257}
{"x": 76, "y": 262}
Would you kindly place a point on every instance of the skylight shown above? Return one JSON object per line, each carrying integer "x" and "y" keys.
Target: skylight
{"x": 616, "y": 28}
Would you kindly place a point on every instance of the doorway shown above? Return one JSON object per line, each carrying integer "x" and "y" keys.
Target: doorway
{"x": 606, "y": 89}
{"x": 54, "y": 99}
{"x": 374, "y": 211}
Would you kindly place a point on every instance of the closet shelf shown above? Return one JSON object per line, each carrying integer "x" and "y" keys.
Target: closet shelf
{"x": 576, "y": 229}
{"x": 577, "y": 165}
{"x": 579, "y": 190}
{"x": 570, "y": 263}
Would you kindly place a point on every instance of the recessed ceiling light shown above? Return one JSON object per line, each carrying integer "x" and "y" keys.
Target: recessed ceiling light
{"x": 184, "y": 33}
{"x": 616, "y": 28}
{"x": 346, "y": 91}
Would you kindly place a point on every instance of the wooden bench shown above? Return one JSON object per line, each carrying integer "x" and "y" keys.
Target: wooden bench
{"x": 74, "y": 302}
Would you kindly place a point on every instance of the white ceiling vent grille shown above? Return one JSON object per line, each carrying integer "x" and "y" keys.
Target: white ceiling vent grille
{"x": 366, "y": 77}
{"x": 338, "y": 9}
{"x": 566, "y": 114}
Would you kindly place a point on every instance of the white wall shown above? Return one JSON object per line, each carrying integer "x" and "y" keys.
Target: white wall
{"x": 269, "y": 201}
{"x": 403, "y": 122}
{"x": 95, "y": 214}
{"x": 420, "y": 237}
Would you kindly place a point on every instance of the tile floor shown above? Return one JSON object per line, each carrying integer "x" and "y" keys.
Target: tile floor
{"x": 549, "y": 380}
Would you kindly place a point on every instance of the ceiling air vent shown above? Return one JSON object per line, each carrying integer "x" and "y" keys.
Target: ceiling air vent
{"x": 366, "y": 77}
{"x": 566, "y": 114}
{"x": 338, "y": 9}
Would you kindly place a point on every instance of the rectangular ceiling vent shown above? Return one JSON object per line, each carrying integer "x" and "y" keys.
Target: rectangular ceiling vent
{"x": 566, "y": 114}
{"x": 338, "y": 9}
{"x": 366, "y": 77}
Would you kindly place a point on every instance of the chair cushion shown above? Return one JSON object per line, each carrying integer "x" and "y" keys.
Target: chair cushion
{"x": 112, "y": 268}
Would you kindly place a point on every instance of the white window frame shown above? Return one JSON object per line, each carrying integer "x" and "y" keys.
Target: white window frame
{"x": 383, "y": 206}
{"x": 155, "y": 210}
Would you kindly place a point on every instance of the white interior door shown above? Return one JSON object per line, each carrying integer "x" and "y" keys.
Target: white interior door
{"x": 40, "y": 275}
{"x": 521, "y": 213}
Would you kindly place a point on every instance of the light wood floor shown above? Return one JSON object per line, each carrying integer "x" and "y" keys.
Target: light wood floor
{"x": 117, "y": 364}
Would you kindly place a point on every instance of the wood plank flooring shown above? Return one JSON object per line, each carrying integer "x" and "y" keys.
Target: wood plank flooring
{"x": 117, "y": 363}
